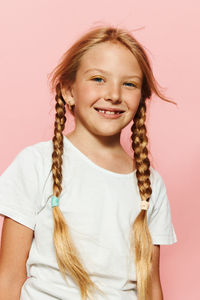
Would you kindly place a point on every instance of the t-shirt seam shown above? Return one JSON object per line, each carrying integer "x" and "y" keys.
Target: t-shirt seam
{"x": 162, "y": 235}
{"x": 17, "y": 214}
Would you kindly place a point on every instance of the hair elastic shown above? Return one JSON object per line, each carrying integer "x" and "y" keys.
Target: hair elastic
{"x": 54, "y": 201}
{"x": 144, "y": 204}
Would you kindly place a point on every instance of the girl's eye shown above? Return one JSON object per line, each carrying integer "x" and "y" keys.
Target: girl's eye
{"x": 97, "y": 79}
{"x": 131, "y": 84}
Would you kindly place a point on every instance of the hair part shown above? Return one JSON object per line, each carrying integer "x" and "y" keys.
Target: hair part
{"x": 68, "y": 257}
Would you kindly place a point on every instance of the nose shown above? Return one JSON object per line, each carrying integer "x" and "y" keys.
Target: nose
{"x": 113, "y": 93}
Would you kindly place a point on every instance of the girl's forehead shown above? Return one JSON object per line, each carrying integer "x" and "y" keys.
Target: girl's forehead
{"x": 106, "y": 49}
{"x": 109, "y": 56}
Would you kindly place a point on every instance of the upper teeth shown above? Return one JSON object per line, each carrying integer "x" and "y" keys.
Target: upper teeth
{"x": 109, "y": 112}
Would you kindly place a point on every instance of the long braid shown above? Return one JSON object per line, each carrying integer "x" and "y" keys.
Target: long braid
{"x": 67, "y": 255}
{"x": 140, "y": 235}
{"x": 59, "y": 126}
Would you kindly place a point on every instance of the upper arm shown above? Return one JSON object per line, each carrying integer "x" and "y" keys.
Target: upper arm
{"x": 156, "y": 283}
{"x": 156, "y": 263}
{"x": 16, "y": 240}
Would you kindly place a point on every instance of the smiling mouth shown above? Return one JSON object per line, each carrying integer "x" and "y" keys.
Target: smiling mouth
{"x": 107, "y": 112}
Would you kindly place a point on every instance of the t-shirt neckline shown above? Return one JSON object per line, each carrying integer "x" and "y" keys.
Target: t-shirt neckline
{"x": 95, "y": 165}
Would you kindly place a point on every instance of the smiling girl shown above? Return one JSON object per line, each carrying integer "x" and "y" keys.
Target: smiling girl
{"x": 83, "y": 219}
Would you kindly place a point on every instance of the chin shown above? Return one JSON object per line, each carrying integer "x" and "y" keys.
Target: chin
{"x": 108, "y": 133}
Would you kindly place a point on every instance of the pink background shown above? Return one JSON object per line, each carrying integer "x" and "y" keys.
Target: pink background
{"x": 34, "y": 35}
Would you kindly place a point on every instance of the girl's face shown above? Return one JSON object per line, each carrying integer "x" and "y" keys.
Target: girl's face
{"x": 109, "y": 76}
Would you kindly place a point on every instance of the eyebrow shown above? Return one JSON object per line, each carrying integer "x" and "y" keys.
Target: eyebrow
{"x": 106, "y": 72}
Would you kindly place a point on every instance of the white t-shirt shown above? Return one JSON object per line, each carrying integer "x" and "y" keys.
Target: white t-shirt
{"x": 99, "y": 206}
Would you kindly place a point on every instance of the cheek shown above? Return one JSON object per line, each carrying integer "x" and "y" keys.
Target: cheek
{"x": 87, "y": 92}
{"x": 133, "y": 101}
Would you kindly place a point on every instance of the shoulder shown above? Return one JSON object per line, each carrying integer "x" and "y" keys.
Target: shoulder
{"x": 40, "y": 149}
{"x": 159, "y": 196}
{"x": 155, "y": 177}
{"x": 37, "y": 154}
{"x": 157, "y": 183}
{"x": 34, "y": 160}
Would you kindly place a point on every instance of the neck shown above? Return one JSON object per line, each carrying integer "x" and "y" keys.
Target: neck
{"x": 96, "y": 143}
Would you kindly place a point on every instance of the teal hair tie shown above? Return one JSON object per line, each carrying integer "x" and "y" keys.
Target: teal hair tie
{"x": 54, "y": 201}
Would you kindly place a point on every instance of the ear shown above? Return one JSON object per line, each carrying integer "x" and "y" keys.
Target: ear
{"x": 68, "y": 95}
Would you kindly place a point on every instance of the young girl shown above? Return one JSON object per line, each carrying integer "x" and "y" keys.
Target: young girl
{"x": 83, "y": 219}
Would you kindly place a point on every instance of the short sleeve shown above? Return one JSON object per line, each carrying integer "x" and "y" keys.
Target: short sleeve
{"x": 159, "y": 220}
{"x": 19, "y": 188}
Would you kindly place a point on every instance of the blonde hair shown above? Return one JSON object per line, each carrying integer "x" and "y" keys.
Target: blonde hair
{"x": 141, "y": 245}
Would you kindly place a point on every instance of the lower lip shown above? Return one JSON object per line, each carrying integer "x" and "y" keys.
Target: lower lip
{"x": 109, "y": 116}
